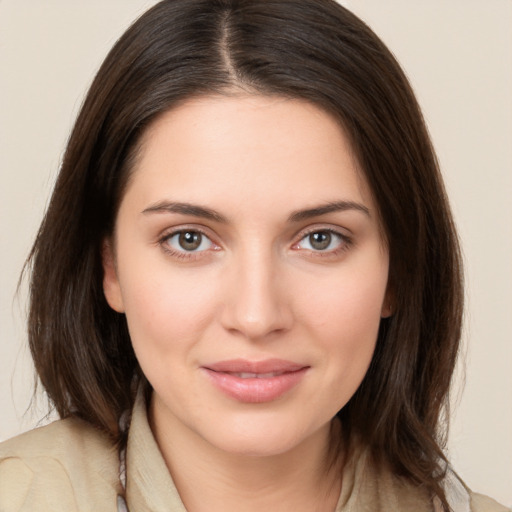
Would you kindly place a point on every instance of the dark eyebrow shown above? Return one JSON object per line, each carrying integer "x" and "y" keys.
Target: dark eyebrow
{"x": 185, "y": 209}
{"x": 335, "y": 206}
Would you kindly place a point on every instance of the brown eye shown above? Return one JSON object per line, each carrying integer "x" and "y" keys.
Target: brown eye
{"x": 323, "y": 240}
{"x": 320, "y": 240}
{"x": 190, "y": 240}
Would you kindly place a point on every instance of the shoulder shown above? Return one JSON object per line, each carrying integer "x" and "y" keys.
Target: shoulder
{"x": 462, "y": 499}
{"x": 376, "y": 487}
{"x": 63, "y": 466}
{"x": 481, "y": 503}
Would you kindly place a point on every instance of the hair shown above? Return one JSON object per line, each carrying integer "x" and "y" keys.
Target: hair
{"x": 313, "y": 50}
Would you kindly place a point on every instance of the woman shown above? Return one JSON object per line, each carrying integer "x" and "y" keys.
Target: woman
{"x": 246, "y": 291}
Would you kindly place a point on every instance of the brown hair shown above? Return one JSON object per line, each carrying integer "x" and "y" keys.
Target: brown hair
{"x": 310, "y": 49}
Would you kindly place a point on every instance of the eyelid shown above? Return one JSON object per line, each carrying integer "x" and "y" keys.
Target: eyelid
{"x": 337, "y": 230}
{"x": 180, "y": 228}
{"x": 346, "y": 240}
{"x": 168, "y": 233}
{"x": 174, "y": 241}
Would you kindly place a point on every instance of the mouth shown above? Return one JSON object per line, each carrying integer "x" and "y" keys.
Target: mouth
{"x": 247, "y": 375}
{"x": 255, "y": 381}
{"x": 271, "y": 367}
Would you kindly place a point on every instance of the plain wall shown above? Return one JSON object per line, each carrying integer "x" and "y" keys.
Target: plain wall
{"x": 458, "y": 55}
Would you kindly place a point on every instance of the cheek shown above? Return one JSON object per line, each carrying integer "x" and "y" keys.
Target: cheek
{"x": 349, "y": 305}
{"x": 166, "y": 310}
{"x": 345, "y": 315}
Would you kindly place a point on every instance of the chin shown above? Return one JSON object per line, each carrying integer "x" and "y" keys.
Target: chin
{"x": 262, "y": 439}
{"x": 260, "y": 446}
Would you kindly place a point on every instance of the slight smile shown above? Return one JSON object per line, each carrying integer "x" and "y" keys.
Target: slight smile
{"x": 255, "y": 381}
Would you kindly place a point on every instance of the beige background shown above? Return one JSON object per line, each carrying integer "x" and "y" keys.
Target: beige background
{"x": 458, "y": 55}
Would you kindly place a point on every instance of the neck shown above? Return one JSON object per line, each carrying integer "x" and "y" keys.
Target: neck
{"x": 305, "y": 479}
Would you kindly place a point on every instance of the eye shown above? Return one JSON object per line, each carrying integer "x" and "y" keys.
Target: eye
{"x": 321, "y": 241}
{"x": 188, "y": 241}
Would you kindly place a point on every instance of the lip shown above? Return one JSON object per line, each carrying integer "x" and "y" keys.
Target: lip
{"x": 255, "y": 381}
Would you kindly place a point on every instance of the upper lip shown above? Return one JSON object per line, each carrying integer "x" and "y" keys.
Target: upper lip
{"x": 257, "y": 367}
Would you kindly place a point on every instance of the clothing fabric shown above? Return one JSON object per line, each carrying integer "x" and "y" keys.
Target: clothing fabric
{"x": 69, "y": 466}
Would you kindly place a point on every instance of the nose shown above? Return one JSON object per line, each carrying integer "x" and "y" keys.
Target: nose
{"x": 257, "y": 303}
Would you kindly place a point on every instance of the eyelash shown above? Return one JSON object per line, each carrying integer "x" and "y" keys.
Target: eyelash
{"x": 184, "y": 254}
{"x": 345, "y": 242}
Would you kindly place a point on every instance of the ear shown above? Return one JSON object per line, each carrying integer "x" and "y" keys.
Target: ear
{"x": 388, "y": 305}
{"x": 111, "y": 286}
{"x": 387, "y": 310}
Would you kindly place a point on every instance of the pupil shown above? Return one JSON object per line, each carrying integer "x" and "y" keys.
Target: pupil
{"x": 320, "y": 240}
{"x": 190, "y": 240}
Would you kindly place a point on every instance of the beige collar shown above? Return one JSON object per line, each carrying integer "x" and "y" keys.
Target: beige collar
{"x": 149, "y": 486}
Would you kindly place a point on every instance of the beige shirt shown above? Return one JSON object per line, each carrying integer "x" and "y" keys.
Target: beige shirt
{"x": 68, "y": 466}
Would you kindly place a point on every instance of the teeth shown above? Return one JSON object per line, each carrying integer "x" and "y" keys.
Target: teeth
{"x": 247, "y": 375}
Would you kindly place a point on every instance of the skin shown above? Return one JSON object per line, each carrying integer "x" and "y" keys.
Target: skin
{"x": 259, "y": 286}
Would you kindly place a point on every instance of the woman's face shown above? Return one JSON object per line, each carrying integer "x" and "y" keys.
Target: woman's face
{"x": 250, "y": 266}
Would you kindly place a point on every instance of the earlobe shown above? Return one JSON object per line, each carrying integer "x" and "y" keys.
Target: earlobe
{"x": 387, "y": 310}
{"x": 111, "y": 287}
{"x": 388, "y": 305}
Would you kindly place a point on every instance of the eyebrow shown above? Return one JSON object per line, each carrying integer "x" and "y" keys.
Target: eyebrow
{"x": 334, "y": 206}
{"x": 185, "y": 209}
{"x": 296, "y": 216}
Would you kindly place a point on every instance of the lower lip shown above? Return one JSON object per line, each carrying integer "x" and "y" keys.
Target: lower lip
{"x": 254, "y": 390}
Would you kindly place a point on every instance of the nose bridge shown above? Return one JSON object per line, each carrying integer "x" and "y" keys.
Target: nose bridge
{"x": 257, "y": 305}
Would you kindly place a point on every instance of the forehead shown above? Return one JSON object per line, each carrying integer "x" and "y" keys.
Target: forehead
{"x": 238, "y": 147}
